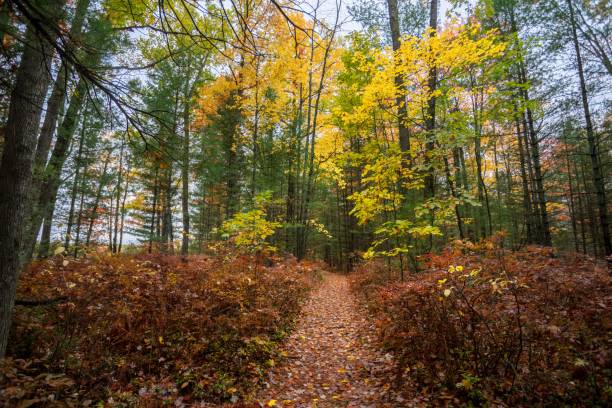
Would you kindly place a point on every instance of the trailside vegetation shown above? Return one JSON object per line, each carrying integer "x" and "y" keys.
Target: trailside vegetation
{"x": 173, "y": 171}
{"x": 483, "y": 325}
{"x": 150, "y": 329}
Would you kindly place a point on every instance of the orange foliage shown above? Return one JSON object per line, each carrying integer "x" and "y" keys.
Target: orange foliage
{"x": 142, "y": 330}
{"x": 487, "y": 326}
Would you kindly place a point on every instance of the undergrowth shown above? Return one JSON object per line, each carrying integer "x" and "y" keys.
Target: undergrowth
{"x": 149, "y": 330}
{"x": 483, "y": 326}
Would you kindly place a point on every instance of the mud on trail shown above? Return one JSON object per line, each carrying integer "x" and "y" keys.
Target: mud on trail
{"x": 332, "y": 358}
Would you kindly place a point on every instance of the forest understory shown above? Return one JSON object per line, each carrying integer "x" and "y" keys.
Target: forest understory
{"x": 480, "y": 326}
{"x": 305, "y": 203}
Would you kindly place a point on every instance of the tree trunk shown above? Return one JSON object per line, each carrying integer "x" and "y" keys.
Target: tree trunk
{"x": 532, "y": 147}
{"x": 255, "y": 133}
{"x": 118, "y": 197}
{"x": 571, "y": 206}
{"x": 185, "y": 176}
{"x": 125, "y": 191}
{"x": 167, "y": 212}
{"x": 498, "y": 190}
{"x": 581, "y": 207}
{"x": 538, "y": 180}
{"x": 45, "y": 237}
{"x": 154, "y": 211}
{"x": 483, "y": 194}
{"x": 31, "y": 83}
{"x": 527, "y": 206}
{"x": 598, "y": 179}
{"x": 590, "y": 210}
{"x": 56, "y": 100}
{"x": 79, "y": 220}
{"x": 109, "y": 229}
{"x": 400, "y": 101}
{"x": 54, "y": 108}
{"x": 462, "y": 170}
{"x": 454, "y": 194}
{"x": 53, "y": 170}
{"x": 430, "y": 120}
{"x": 73, "y": 193}
{"x": 93, "y": 214}
{"x": 311, "y": 131}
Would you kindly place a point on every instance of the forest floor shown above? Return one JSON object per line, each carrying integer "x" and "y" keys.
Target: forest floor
{"x": 332, "y": 357}
{"x": 158, "y": 330}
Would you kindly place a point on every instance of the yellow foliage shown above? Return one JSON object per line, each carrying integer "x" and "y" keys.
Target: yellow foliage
{"x": 250, "y": 229}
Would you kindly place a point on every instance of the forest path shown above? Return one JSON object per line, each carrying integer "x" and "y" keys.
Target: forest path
{"x": 332, "y": 359}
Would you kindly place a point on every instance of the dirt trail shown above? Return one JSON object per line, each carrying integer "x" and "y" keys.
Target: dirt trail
{"x": 332, "y": 360}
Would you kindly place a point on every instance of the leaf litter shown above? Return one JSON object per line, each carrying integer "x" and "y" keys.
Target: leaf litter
{"x": 332, "y": 358}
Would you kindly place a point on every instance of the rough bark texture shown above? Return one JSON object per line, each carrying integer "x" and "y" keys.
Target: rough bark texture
{"x": 534, "y": 144}
{"x": 45, "y": 203}
{"x": 58, "y": 95}
{"x": 27, "y": 98}
{"x": 54, "y": 108}
{"x": 117, "y": 199}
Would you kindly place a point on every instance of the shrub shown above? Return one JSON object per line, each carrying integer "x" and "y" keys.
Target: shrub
{"x": 144, "y": 329}
{"x": 483, "y": 325}
{"x": 249, "y": 230}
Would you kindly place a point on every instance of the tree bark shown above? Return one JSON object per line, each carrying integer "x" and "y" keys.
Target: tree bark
{"x": 154, "y": 208}
{"x": 58, "y": 95}
{"x": 125, "y": 191}
{"x": 538, "y": 178}
{"x": 77, "y": 236}
{"x": 73, "y": 193}
{"x": 93, "y": 214}
{"x": 118, "y": 198}
{"x": 166, "y": 236}
{"x": 430, "y": 120}
{"x": 53, "y": 170}
{"x": 581, "y": 207}
{"x": 598, "y": 179}
{"x": 54, "y": 108}
{"x": 45, "y": 237}
{"x": 571, "y": 206}
{"x": 527, "y": 206}
{"x": 31, "y": 84}
{"x": 400, "y": 101}
{"x": 532, "y": 147}
{"x": 590, "y": 210}
{"x": 311, "y": 132}
{"x": 454, "y": 194}
{"x": 185, "y": 174}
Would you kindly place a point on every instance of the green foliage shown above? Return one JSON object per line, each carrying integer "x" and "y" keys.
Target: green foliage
{"x": 249, "y": 230}
{"x": 393, "y": 237}
{"x": 386, "y": 181}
